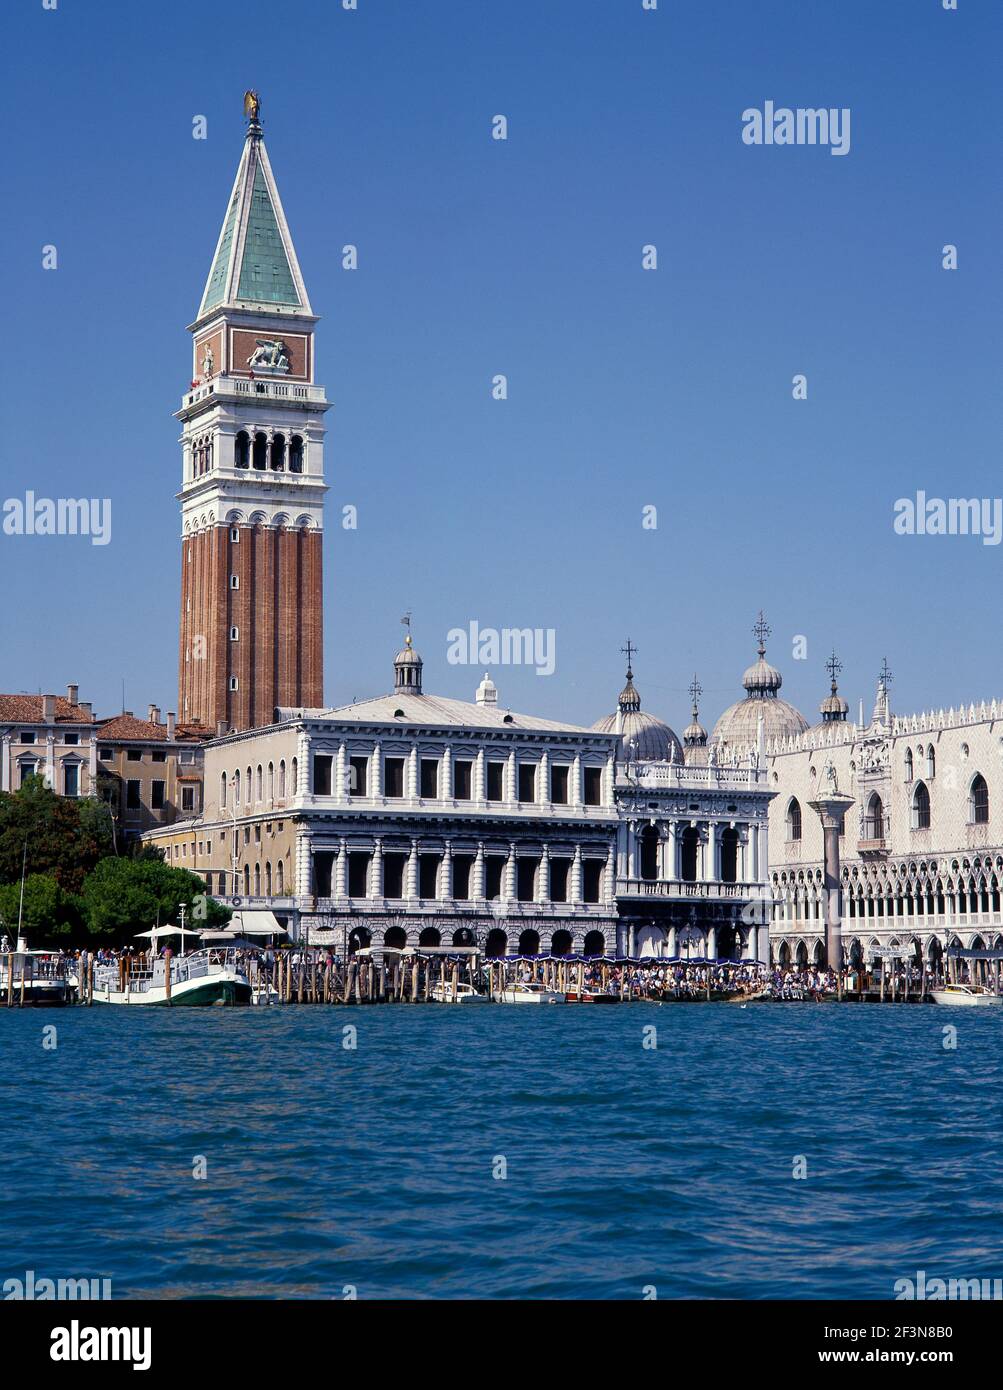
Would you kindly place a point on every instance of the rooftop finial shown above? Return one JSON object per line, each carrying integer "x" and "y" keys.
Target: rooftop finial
{"x": 885, "y": 675}
{"x": 252, "y": 106}
{"x": 696, "y": 690}
{"x": 761, "y": 630}
{"x": 833, "y": 666}
{"x": 629, "y": 651}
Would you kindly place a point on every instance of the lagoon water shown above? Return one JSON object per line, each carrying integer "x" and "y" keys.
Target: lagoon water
{"x": 372, "y": 1169}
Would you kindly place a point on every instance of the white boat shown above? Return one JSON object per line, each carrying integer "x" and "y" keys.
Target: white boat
{"x": 969, "y": 995}
{"x": 39, "y": 977}
{"x": 212, "y": 976}
{"x": 465, "y": 994}
{"x": 528, "y": 992}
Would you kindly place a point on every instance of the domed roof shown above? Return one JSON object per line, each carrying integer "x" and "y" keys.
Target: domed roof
{"x": 407, "y": 667}
{"x": 833, "y": 708}
{"x": 642, "y": 736}
{"x": 738, "y": 726}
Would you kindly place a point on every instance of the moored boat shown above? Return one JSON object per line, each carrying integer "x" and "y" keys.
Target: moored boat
{"x": 528, "y": 992}
{"x": 968, "y": 996}
{"x": 446, "y": 993}
{"x": 34, "y": 977}
{"x": 212, "y": 976}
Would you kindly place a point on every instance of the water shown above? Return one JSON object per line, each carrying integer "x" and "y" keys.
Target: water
{"x": 626, "y": 1167}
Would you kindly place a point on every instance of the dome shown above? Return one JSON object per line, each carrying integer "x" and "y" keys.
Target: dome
{"x": 407, "y": 668}
{"x": 833, "y": 708}
{"x": 738, "y": 727}
{"x": 642, "y": 736}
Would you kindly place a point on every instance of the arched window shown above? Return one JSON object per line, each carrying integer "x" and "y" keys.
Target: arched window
{"x": 268, "y": 879}
{"x": 271, "y": 781}
{"x": 931, "y": 762}
{"x": 649, "y": 853}
{"x": 241, "y": 449}
{"x": 257, "y": 880}
{"x": 794, "y": 819}
{"x": 978, "y": 801}
{"x": 295, "y": 774}
{"x": 236, "y": 787}
{"x": 921, "y": 807}
{"x": 222, "y": 790}
{"x": 874, "y": 819}
{"x": 247, "y": 879}
{"x": 249, "y": 787}
{"x": 280, "y": 878}
{"x": 258, "y": 784}
{"x": 260, "y": 450}
{"x": 729, "y": 856}
{"x": 296, "y": 454}
{"x": 278, "y": 459}
{"x": 282, "y": 779}
{"x": 688, "y": 854}
{"x": 908, "y": 764}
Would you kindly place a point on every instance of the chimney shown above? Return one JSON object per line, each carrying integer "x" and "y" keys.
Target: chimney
{"x": 72, "y": 691}
{"x": 86, "y": 711}
{"x": 171, "y": 723}
{"x": 487, "y": 693}
{"x": 220, "y": 728}
{"x": 49, "y": 708}
{"x": 153, "y": 714}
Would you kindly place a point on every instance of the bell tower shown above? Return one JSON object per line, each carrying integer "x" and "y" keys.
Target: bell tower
{"x": 252, "y": 440}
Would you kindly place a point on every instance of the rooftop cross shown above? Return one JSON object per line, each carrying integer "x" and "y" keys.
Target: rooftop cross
{"x": 885, "y": 675}
{"x": 629, "y": 651}
{"x": 696, "y": 690}
{"x": 833, "y": 666}
{"x": 761, "y": 630}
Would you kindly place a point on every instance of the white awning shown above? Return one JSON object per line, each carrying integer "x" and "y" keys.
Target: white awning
{"x": 255, "y": 922}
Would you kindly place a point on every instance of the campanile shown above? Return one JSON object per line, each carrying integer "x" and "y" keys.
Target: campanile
{"x": 253, "y": 471}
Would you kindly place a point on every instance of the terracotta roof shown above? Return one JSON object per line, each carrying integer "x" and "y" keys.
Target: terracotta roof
{"x": 126, "y": 728}
{"x": 27, "y": 709}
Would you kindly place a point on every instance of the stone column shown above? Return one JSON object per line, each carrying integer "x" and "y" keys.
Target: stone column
{"x": 712, "y": 943}
{"x": 413, "y": 782}
{"x": 543, "y": 881}
{"x": 446, "y": 873}
{"x": 543, "y": 780}
{"x": 477, "y": 871}
{"x": 575, "y": 792}
{"x": 609, "y": 781}
{"x": 479, "y": 777}
{"x": 341, "y": 870}
{"x": 672, "y": 868}
{"x": 575, "y": 894}
{"x": 670, "y": 947}
{"x": 376, "y": 870}
{"x": 831, "y": 809}
{"x": 50, "y": 761}
{"x": 376, "y": 771}
{"x": 509, "y": 890}
{"x": 511, "y": 774}
{"x": 710, "y": 853}
{"x": 411, "y": 873}
{"x": 446, "y": 776}
{"x": 340, "y": 773}
{"x": 92, "y": 767}
{"x": 302, "y": 865}
{"x": 609, "y": 875}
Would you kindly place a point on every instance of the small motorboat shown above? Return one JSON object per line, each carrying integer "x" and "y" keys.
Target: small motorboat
{"x": 528, "y": 992}
{"x": 967, "y": 995}
{"x": 456, "y": 994}
{"x": 584, "y": 996}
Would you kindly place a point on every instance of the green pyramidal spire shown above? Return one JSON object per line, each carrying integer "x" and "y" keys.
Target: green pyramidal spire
{"x": 255, "y": 264}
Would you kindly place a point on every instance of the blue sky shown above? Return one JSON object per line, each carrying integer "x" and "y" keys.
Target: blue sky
{"x": 626, "y": 388}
